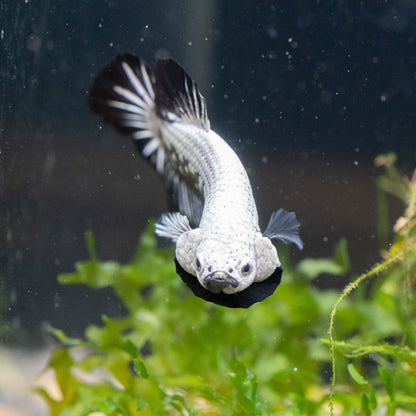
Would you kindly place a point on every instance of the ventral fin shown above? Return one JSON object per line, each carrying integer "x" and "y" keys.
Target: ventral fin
{"x": 177, "y": 95}
{"x": 172, "y": 225}
{"x": 284, "y": 226}
{"x": 190, "y": 201}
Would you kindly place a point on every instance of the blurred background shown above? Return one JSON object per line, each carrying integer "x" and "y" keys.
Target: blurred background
{"x": 307, "y": 93}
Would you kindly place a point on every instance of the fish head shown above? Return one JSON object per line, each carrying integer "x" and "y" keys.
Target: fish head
{"x": 227, "y": 267}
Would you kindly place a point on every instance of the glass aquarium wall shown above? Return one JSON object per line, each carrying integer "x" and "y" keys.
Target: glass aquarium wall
{"x": 308, "y": 94}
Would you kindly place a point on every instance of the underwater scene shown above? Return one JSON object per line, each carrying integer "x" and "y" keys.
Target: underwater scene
{"x": 207, "y": 208}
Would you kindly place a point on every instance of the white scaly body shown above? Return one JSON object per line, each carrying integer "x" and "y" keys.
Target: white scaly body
{"x": 229, "y": 211}
{"x": 226, "y": 237}
{"x": 225, "y": 250}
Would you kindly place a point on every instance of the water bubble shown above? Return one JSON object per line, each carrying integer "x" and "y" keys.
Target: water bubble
{"x": 272, "y": 32}
{"x": 33, "y": 43}
{"x": 326, "y": 96}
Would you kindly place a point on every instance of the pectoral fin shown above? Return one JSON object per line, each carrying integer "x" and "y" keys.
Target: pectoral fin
{"x": 284, "y": 226}
{"x": 172, "y": 225}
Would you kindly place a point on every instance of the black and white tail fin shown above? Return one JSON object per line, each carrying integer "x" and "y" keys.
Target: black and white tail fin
{"x": 122, "y": 93}
{"x": 138, "y": 103}
{"x": 178, "y": 95}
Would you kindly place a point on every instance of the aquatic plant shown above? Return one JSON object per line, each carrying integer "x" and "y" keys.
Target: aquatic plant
{"x": 173, "y": 353}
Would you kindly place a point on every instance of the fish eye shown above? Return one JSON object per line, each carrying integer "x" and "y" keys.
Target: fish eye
{"x": 246, "y": 269}
{"x": 198, "y": 264}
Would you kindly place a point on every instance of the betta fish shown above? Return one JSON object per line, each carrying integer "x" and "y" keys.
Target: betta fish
{"x": 221, "y": 253}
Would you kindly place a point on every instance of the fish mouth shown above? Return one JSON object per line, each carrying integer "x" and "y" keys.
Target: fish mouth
{"x": 219, "y": 280}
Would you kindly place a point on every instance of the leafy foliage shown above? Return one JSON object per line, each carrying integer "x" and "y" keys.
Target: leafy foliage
{"x": 175, "y": 354}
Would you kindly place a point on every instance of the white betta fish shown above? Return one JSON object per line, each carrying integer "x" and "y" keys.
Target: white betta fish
{"x": 221, "y": 253}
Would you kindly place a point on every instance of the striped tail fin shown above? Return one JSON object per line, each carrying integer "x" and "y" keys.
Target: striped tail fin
{"x": 123, "y": 94}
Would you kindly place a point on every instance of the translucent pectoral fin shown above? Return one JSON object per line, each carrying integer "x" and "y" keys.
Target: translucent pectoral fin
{"x": 172, "y": 225}
{"x": 284, "y": 226}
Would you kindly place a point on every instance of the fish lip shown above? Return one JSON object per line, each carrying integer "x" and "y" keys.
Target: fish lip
{"x": 219, "y": 280}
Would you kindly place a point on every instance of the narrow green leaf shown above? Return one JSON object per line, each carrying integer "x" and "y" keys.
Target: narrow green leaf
{"x": 365, "y": 405}
{"x": 90, "y": 242}
{"x": 387, "y": 376}
{"x": 140, "y": 369}
{"x": 372, "y": 399}
{"x": 356, "y": 375}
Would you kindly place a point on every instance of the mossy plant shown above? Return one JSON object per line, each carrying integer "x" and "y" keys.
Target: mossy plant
{"x": 175, "y": 354}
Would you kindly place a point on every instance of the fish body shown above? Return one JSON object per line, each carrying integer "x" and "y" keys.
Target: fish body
{"x": 221, "y": 253}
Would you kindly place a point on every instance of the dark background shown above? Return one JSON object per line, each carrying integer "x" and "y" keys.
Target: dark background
{"x": 307, "y": 93}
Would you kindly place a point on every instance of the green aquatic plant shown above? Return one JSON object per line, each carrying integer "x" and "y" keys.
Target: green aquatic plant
{"x": 175, "y": 354}
{"x": 393, "y": 350}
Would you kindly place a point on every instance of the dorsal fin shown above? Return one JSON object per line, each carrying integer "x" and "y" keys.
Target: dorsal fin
{"x": 177, "y": 94}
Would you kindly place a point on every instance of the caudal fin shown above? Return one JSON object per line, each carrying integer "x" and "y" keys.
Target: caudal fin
{"x": 178, "y": 94}
{"x": 139, "y": 103}
{"x": 122, "y": 93}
